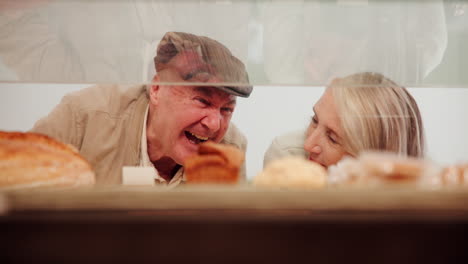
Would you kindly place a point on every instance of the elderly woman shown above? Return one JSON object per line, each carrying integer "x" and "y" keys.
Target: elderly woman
{"x": 363, "y": 111}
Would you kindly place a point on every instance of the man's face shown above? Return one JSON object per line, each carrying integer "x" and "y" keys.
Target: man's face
{"x": 181, "y": 117}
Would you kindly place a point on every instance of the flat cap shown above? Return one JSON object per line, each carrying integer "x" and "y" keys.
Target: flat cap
{"x": 207, "y": 57}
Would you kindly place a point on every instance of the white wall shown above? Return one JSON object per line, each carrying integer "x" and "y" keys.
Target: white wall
{"x": 270, "y": 111}
{"x": 274, "y": 110}
{"x": 22, "y": 104}
{"x": 445, "y": 116}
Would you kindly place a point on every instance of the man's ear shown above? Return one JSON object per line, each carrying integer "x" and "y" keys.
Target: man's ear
{"x": 154, "y": 90}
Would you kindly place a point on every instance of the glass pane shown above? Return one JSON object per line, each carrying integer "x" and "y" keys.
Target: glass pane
{"x": 414, "y": 43}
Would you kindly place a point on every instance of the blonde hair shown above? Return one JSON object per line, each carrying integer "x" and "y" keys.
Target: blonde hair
{"x": 378, "y": 114}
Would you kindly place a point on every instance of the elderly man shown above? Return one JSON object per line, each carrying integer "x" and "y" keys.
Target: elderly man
{"x": 191, "y": 100}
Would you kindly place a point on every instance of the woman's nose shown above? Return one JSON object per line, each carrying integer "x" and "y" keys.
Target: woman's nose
{"x": 312, "y": 143}
{"x": 316, "y": 150}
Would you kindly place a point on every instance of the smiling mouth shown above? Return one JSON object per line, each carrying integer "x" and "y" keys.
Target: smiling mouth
{"x": 195, "y": 139}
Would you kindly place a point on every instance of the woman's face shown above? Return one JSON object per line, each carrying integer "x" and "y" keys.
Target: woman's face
{"x": 324, "y": 138}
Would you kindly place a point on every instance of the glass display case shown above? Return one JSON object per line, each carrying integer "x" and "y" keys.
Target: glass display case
{"x": 292, "y": 51}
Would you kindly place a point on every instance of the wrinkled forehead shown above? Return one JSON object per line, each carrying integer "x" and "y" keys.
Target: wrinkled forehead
{"x": 327, "y": 105}
{"x": 214, "y": 92}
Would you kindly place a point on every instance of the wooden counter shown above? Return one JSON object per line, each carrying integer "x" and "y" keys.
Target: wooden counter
{"x": 222, "y": 224}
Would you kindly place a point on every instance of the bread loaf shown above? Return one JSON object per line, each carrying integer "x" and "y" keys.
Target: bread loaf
{"x": 30, "y": 160}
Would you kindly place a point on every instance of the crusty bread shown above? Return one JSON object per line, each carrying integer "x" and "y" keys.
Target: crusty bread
{"x": 29, "y": 160}
{"x": 214, "y": 163}
{"x": 292, "y": 173}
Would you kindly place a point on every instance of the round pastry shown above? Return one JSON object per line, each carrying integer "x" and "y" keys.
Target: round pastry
{"x": 29, "y": 160}
{"x": 292, "y": 173}
{"x": 214, "y": 163}
{"x": 455, "y": 175}
{"x": 383, "y": 169}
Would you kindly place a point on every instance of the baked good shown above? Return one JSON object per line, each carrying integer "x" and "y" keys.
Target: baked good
{"x": 214, "y": 163}
{"x": 455, "y": 175}
{"x": 384, "y": 169}
{"x": 29, "y": 160}
{"x": 292, "y": 173}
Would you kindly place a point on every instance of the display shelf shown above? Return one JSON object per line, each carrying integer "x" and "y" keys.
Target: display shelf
{"x": 407, "y": 200}
{"x": 231, "y": 225}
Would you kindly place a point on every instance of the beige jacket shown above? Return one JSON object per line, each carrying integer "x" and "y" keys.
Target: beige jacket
{"x": 105, "y": 123}
{"x": 289, "y": 144}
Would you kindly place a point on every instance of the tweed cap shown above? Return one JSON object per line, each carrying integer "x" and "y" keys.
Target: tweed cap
{"x": 204, "y": 58}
